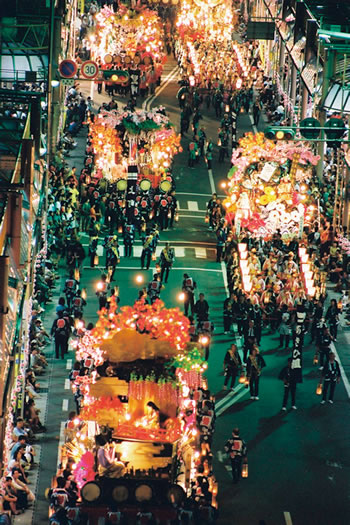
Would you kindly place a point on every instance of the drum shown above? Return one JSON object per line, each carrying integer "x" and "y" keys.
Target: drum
{"x": 165, "y": 186}
{"x": 145, "y": 184}
{"x": 122, "y": 184}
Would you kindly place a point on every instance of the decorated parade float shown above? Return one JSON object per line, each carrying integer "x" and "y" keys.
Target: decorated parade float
{"x": 130, "y": 40}
{"x": 271, "y": 193}
{"x": 143, "y": 434}
{"x": 143, "y": 139}
{"x": 270, "y": 187}
{"x": 206, "y": 50}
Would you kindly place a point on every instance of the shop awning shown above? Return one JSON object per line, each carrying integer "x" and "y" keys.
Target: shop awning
{"x": 15, "y": 62}
{"x": 338, "y": 97}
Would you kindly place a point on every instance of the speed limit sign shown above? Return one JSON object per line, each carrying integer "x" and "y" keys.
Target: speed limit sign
{"x": 89, "y": 69}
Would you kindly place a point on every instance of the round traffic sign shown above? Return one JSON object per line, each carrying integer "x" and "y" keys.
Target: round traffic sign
{"x": 68, "y": 68}
{"x": 89, "y": 69}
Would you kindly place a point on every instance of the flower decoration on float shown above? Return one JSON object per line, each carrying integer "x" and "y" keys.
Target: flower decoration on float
{"x": 270, "y": 187}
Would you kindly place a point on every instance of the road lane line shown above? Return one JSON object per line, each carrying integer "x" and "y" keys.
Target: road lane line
{"x": 255, "y": 129}
{"x": 192, "y": 205}
{"x": 67, "y": 384}
{"x": 287, "y": 518}
{"x": 200, "y": 253}
{"x": 70, "y": 361}
{"x": 224, "y": 276}
{"x": 171, "y": 72}
{"x": 99, "y": 251}
{"x": 200, "y": 194}
{"x": 137, "y": 268}
{"x": 202, "y": 217}
{"x": 342, "y": 371}
{"x": 64, "y": 405}
{"x": 147, "y": 104}
{"x": 211, "y": 181}
{"x": 229, "y": 395}
{"x": 232, "y": 402}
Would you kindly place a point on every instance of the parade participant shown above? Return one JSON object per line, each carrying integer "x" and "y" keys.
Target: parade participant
{"x": 201, "y": 308}
{"x": 255, "y": 364}
{"x": 102, "y": 287}
{"x": 316, "y": 318}
{"x": 332, "y": 316}
{"x": 70, "y": 288}
{"x": 236, "y": 448}
{"x": 323, "y": 344}
{"x": 192, "y": 153}
{"x": 163, "y": 210}
{"x": 232, "y": 366}
{"x": 210, "y": 209}
{"x": 287, "y": 375}
{"x": 205, "y": 328}
{"x": 284, "y": 328}
{"x": 173, "y": 207}
{"x": 188, "y": 287}
{"x": 154, "y": 288}
{"x": 78, "y": 304}
{"x": 93, "y": 244}
{"x": 250, "y": 337}
{"x": 147, "y": 249}
{"x": 209, "y": 156}
{"x": 129, "y": 237}
{"x": 192, "y": 329}
{"x": 256, "y": 112}
{"x": 167, "y": 257}
{"x": 331, "y": 376}
{"x": 112, "y": 258}
{"x": 228, "y": 312}
{"x": 221, "y": 236}
{"x": 61, "y": 332}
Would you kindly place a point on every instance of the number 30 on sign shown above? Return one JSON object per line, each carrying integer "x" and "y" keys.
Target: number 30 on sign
{"x": 89, "y": 69}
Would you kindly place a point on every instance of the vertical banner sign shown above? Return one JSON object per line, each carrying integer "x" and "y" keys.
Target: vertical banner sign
{"x": 238, "y": 226}
{"x": 298, "y": 344}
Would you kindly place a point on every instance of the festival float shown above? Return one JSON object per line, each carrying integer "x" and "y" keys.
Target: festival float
{"x": 145, "y": 410}
{"x": 270, "y": 187}
{"x": 205, "y": 48}
{"x": 143, "y": 139}
{"x": 270, "y": 191}
{"x": 130, "y": 40}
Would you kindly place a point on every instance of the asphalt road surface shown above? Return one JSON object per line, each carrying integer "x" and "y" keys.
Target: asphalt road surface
{"x": 299, "y": 461}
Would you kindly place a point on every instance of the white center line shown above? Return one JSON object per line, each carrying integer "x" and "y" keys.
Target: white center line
{"x": 65, "y": 405}
{"x": 67, "y": 384}
{"x": 232, "y": 401}
{"x": 342, "y": 371}
{"x": 69, "y": 364}
{"x": 287, "y": 518}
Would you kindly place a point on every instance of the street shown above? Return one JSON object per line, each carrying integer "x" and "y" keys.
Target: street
{"x": 299, "y": 461}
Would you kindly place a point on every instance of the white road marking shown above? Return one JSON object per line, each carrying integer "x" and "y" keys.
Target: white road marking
{"x": 200, "y": 253}
{"x": 253, "y": 125}
{"x": 137, "y": 250}
{"x": 229, "y": 396}
{"x": 221, "y": 456}
{"x": 342, "y": 372}
{"x": 224, "y": 277}
{"x": 211, "y": 181}
{"x": 172, "y": 75}
{"x": 65, "y": 405}
{"x": 99, "y": 250}
{"x": 136, "y": 268}
{"x": 121, "y": 251}
{"x": 232, "y": 402}
{"x": 67, "y": 384}
{"x": 179, "y": 251}
{"x": 287, "y": 518}
{"x": 202, "y": 217}
{"x": 69, "y": 364}
{"x": 192, "y": 205}
{"x": 200, "y": 194}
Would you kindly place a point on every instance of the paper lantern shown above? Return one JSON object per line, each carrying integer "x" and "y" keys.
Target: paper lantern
{"x": 242, "y": 378}
{"x": 315, "y": 361}
{"x": 319, "y": 389}
{"x": 245, "y": 470}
